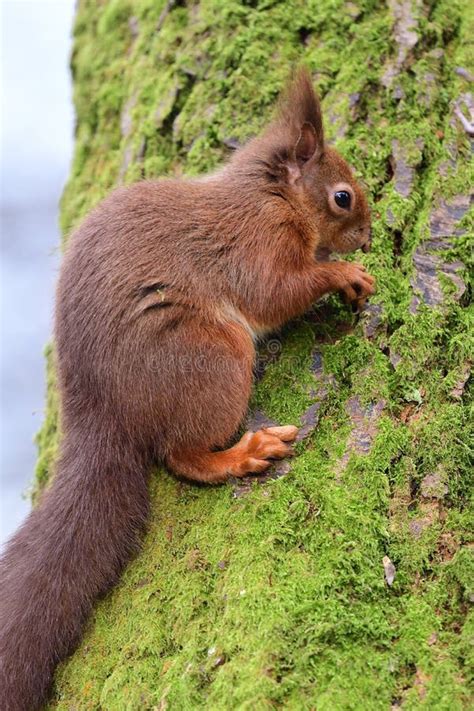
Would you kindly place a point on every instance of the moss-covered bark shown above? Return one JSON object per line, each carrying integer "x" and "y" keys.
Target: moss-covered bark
{"x": 275, "y": 594}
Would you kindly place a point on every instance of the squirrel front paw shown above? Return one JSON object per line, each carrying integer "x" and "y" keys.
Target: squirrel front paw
{"x": 357, "y": 284}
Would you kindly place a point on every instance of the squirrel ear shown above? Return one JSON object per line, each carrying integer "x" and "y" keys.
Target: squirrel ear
{"x": 305, "y": 148}
{"x": 300, "y": 115}
{"x": 307, "y": 143}
{"x": 296, "y": 135}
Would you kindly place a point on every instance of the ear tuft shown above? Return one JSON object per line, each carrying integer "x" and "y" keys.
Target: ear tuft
{"x": 299, "y": 106}
{"x": 296, "y": 136}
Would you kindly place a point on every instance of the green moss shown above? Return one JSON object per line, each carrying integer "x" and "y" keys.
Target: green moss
{"x": 278, "y": 598}
{"x": 47, "y": 437}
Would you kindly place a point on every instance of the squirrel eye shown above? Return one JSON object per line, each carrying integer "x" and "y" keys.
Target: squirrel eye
{"x": 343, "y": 199}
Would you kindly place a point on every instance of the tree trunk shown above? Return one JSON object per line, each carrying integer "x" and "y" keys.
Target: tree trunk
{"x": 340, "y": 581}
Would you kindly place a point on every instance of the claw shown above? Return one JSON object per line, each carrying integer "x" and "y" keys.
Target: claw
{"x": 286, "y": 433}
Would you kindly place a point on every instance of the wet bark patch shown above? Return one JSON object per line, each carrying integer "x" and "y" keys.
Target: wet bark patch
{"x": 364, "y": 428}
{"x": 433, "y": 486}
{"x": 372, "y": 321}
{"x": 458, "y": 390}
{"x": 404, "y": 166}
{"x": 428, "y": 264}
{"x": 464, "y": 110}
{"x": 406, "y": 37}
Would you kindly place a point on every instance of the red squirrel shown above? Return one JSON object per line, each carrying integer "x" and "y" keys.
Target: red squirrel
{"x": 164, "y": 289}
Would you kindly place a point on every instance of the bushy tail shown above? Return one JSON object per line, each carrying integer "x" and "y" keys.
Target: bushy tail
{"x": 70, "y": 550}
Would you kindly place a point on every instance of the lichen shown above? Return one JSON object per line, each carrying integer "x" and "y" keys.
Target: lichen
{"x": 277, "y": 598}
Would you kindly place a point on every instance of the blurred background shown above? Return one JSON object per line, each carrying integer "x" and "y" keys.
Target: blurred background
{"x": 36, "y": 129}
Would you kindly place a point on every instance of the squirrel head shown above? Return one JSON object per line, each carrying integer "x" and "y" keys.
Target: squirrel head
{"x": 298, "y": 164}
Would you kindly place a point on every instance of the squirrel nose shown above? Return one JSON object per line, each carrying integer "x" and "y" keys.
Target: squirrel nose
{"x": 366, "y": 245}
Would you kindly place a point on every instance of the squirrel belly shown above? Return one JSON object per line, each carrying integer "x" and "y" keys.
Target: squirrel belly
{"x": 163, "y": 291}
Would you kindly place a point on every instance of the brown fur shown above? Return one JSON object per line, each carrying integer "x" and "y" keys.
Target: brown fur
{"x": 161, "y": 293}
